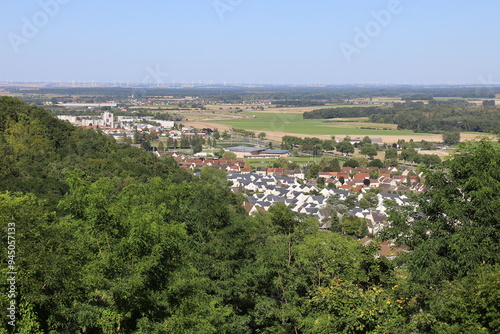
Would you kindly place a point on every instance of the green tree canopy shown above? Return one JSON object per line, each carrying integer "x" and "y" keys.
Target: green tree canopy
{"x": 376, "y": 163}
{"x": 229, "y": 155}
{"x": 451, "y": 138}
{"x": 370, "y": 151}
{"x": 345, "y": 147}
{"x": 351, "y": 163}
{"x": 456, "y": 226}
{"x": 329, "y": 164}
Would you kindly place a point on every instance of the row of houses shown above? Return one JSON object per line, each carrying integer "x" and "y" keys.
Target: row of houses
{"x": 389, "y": 179}
{"x": 234, "y": 166}
{"x": 307, "y": 198}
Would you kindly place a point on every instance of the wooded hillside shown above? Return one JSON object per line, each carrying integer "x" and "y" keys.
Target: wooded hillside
{"x": 110, "y": 239}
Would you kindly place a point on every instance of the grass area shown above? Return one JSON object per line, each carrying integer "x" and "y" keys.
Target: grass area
{"x": 358, "y": 120}
{"x": 388, "y": 98}
{"x": 305, "y": 160}
{"x": 231, "y": 143}
{"x": 294, "y": 123}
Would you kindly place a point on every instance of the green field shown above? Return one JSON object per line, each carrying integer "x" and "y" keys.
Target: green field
{"x": 306, "y": 160}
{"x": 294, "y": 123}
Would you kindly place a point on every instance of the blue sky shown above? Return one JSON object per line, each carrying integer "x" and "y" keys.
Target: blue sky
{"x": 251, "y": 41}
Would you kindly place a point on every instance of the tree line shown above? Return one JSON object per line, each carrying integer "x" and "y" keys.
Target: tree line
{"x": 342, "y": 112}
{"x": 441, "y": 117}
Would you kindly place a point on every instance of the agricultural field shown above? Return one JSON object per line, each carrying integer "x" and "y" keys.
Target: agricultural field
{"x": 279, "y": 122}
{"x": 294, "y": 123}
{"x": 275, "y": 108}
{"x": 301, "y": 161}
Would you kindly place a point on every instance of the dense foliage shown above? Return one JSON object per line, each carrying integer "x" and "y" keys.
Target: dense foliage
{"x": 453, "y": 238}
{"x": 456, "y": 228}
{"x": 36, "y": 149}
{"x": 110, "y": 239}
{"x": 441, "y": 116}
{"x": 342, "y": 112}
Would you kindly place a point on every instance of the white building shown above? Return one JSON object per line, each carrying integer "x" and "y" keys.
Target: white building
{"x": 71, "y": 119}
{"x": 165, "y": 124}
{"x": 107, "y": 119}
{"x": 127, "y": 119}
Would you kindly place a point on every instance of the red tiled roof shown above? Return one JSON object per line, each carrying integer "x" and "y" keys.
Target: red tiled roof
{"x": 327, "y": 173}
{"x": 363, "y": 169}
{"x": 344, "y": 175}
{"x": 361, "y": 176}
{"x": 275, "y": 170}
